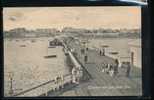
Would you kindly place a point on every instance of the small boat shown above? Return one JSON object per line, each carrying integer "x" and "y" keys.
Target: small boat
{"x": 17, "y": 40}
{"x": 50, "y": 56}
{"x": 22, "y": 45}
{"x": 33, "y": 41}
{"x": 114, "y": 53}
{"x": 23, "y": 40}
{"x": 52, "y": 47}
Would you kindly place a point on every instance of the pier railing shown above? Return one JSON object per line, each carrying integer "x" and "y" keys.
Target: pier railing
{"x": 44, "y": 87}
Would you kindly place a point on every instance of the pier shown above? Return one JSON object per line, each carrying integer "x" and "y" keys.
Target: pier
{"x": 86, "y": 77}
{"x": 101, "y": 83}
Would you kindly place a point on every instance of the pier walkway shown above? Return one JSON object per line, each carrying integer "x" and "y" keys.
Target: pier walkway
{"x": 102, "y": 84}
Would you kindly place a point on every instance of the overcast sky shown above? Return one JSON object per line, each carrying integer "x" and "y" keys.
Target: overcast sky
{"x": 78, "y": 17}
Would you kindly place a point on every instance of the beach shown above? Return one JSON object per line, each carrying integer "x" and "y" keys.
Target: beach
{"x": 25, "y": 59}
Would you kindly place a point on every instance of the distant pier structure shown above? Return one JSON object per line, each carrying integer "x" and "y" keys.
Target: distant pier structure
{"x": 55, "y": 42}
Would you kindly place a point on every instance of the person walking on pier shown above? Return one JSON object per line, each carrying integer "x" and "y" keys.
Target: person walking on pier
{"x": 111, "y": 70}
{"x": 85, "y": 58}
{"x": 116, "y": 67}
{"x": 103, "y": 67}
{"x": 62, "y": 81}
{"x": 87, "y": 49}
{"x": 128, "y": 70}
{"x": 107, "y": 68}
{"x": 100, "y": 52}
{"x": 82, "y": 51}
{"x": 58, "y": 82}
{"x": 103, "y": 53}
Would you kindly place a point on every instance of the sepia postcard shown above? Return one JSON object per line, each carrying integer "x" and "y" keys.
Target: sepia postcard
{"x": 72, "y": 51}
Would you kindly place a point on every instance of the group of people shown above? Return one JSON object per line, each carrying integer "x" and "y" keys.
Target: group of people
{"x": 111, "y": 69}
{"x": 76, "y": 74}
{"x": 102, "y": 52}
{"x": 59, "y": 81}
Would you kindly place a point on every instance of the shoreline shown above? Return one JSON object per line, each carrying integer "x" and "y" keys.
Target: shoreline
{"x": 78, "y": 37}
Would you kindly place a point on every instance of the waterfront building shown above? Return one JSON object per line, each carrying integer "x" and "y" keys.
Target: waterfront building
{"x": 132, "y": 55}
{"x": 135, "y": 53}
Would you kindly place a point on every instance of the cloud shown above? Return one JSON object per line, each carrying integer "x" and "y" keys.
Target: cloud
{"x": 80, "y": 17}
{"x": 16, "y": 16}
{"x": 12, "y": 18}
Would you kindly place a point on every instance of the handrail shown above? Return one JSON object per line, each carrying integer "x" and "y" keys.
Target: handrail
{"x": 28, "y": 90}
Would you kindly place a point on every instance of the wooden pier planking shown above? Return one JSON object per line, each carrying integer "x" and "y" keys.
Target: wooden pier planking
{"x": 103, "y": 79}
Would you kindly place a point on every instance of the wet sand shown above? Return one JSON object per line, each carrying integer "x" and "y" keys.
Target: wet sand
{"x": 28, "y": 65}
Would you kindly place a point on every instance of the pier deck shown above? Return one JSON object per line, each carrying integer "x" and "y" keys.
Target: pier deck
{"x": 103, "y": 84}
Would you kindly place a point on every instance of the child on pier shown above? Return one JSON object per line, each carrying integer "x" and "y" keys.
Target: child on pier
{"x": 104, "y": 67}
{"x": 111, "y": 70}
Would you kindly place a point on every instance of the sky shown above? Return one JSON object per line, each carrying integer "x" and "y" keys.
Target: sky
{"x": 77, "y": 17}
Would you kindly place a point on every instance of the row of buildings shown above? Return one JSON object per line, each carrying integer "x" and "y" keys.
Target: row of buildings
{"x": 20, "y": 32}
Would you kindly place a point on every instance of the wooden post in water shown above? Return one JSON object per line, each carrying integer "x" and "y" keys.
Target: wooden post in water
{"x": 11, "y": 83}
